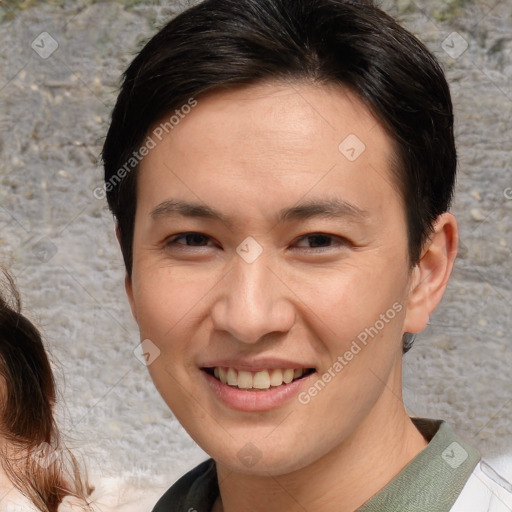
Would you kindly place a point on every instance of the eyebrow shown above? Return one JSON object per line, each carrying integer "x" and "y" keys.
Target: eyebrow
{"x": 326, "y": 208}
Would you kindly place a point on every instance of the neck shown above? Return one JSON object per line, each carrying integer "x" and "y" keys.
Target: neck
{"x": 342, "y": 480}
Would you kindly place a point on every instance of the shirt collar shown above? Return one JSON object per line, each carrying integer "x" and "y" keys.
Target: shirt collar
{"x": 434, "y": 478}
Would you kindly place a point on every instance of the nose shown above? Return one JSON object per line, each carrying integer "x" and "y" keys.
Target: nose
{"x": 252, "y": 302}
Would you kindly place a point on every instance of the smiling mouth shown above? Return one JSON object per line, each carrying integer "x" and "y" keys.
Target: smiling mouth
{"x": 258, "y": 381}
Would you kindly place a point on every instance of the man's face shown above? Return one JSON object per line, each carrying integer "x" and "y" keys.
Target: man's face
{"x": 260, "y": 291}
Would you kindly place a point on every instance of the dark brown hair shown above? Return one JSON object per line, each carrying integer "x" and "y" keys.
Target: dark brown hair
{"x": 223, "y": 43}
{"x": 33, "y": 455}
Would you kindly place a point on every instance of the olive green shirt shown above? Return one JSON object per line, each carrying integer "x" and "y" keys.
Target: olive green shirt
{"x": 432, "y": 481}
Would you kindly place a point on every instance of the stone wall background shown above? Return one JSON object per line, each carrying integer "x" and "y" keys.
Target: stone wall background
{"x": 58, "y": 239}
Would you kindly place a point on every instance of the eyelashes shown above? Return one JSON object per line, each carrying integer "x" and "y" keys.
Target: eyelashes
{"x": 192, "y": 236}
{"x": 324, "y": 237}
{"x": 320, "y": 241}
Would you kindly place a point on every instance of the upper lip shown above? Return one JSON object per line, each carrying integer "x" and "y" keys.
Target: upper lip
{"x": 255, "y": 365}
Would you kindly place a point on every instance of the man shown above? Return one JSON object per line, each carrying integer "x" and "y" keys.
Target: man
{"x": 280, "y": 172}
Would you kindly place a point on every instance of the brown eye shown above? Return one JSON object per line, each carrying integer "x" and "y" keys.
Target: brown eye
{"x": 320, "y": 241}
{"x": 190, "y": 240}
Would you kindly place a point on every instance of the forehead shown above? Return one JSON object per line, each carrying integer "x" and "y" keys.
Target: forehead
{"x": 272, "y": 141}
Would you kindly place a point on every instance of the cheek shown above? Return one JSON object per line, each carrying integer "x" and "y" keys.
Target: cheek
{"x": 171, "y": 306}
{"x": 165, "y": 312}
{"x": 165, "y": 296}
{"x": 359, "y": 328}
{"x": 347, "y": 300}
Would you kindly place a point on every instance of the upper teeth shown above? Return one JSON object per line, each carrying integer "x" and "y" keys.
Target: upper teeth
{"x": 257, "y": 380}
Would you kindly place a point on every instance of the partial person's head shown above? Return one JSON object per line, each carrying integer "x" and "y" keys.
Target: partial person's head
{"x": 244, "y": 129}
{"x": 31, "y": 451}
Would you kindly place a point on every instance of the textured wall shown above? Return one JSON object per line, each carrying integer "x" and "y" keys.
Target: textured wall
{"x": 58, "y": 239}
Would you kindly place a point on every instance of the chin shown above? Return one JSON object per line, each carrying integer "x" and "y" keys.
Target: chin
{"x": 251, "y": 461}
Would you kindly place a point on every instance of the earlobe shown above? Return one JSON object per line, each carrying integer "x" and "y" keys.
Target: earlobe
{"x": 430, "y": 276}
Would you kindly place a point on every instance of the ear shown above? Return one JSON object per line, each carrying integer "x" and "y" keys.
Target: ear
{"x": 430, "y": 276}
{"x": 127, "y": 280}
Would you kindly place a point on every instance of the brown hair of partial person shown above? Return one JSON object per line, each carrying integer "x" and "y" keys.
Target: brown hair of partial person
{"x": 32, "y": 453}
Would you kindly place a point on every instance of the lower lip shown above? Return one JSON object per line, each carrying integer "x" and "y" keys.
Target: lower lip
{"x": 247, "y": 400}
